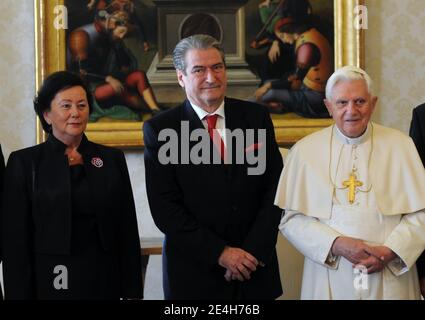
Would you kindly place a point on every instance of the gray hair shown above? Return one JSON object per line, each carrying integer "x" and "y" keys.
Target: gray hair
{"x": 347, "y": 73}
{"x": 197, "y": 41}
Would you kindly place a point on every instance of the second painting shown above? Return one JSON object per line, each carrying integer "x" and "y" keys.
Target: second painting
{"x": 290, "y": 52}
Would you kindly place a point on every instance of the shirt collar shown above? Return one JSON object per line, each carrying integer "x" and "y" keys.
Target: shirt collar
{"x": 351, "y": 141}
{"x": 59, "y": 146}
{"x": 55, "y": 143}
{"x": 202, "y": 113}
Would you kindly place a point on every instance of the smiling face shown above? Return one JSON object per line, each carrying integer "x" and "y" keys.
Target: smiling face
{"x": 351, "y": 106}
{"x": 205, "y": 81}
{"x": 68, "y": 114}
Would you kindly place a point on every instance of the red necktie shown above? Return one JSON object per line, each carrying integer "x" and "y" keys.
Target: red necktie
{"x": 215, "y": 136}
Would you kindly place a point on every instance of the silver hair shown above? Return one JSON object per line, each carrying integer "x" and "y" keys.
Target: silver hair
{"x": 347, "y": 73}
{"x": 197, "y": 41}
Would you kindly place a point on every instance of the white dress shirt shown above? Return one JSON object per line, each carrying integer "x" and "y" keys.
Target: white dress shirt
{"x": 221, "y": 119}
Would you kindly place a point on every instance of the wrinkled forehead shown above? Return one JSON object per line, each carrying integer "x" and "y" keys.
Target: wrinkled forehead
{"x": 202, "y": 57}
{"x": 350, "y": 87}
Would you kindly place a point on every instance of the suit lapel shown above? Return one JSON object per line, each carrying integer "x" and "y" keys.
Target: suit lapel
{"x": 188, "y": 114}
{"x": 52, "y": 190}
{"x": 235, "y": 119}
{"x": 54, "y": 181}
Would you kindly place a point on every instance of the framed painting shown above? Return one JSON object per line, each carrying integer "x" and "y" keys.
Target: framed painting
{"x": 154, "y": 30}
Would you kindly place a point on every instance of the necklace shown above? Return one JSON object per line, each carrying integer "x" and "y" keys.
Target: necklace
{"x": 352, "y": 183}
{"x": 73, "y": 157}
{"x": 71, "y": 160}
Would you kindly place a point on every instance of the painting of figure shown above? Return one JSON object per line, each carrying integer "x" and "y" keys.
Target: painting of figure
{"x": 96, "y": 49}
{"x": 291, "y": 53}
{"x": 297, "y": 56}
{"x": 279, "y": 53}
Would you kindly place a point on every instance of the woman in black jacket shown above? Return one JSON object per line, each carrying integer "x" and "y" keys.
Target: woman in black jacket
{"x": 69, "y": 224}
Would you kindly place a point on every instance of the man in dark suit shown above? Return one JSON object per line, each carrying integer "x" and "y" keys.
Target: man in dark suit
{"x": 417, "y": 132}
{"x": 218, "y": 217}
{"x": 1, "y": 192}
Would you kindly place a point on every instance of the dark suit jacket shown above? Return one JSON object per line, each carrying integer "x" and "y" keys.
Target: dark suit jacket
{"x": 36, "y": 217}
{"x": 1, "y": 192}
{"x": 417, "y": 132}
{"x": 202, "y": 208}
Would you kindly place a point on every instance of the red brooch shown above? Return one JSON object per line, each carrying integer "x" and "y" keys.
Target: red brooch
{"x": 97, "y": 162}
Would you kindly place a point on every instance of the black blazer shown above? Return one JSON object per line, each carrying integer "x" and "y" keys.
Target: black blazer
{"x": 203, "y": 208}
{"x": 1, "y": 192}
{"x": 36, "y": 217}
{"x": 417, "y": 132}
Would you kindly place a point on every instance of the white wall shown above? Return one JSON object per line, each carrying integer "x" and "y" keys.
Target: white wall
{"x": 395, "y": 58}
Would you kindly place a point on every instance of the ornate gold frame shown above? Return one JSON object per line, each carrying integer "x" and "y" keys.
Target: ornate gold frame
{"x": 50, "y": 57}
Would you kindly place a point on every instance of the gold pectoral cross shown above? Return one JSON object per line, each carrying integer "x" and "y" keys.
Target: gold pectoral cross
{"x": 352, "y": 183}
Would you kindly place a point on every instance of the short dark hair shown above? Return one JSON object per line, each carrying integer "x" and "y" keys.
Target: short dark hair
{"x": 293, "y": 27}
{"x": 54, "y": 83}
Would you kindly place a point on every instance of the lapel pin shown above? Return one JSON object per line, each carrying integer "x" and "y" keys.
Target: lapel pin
{"x": 97, "y": 162}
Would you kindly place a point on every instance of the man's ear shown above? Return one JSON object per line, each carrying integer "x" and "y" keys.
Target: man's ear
{"x": 180, "y": 76}
{"x": 373, "y": 102}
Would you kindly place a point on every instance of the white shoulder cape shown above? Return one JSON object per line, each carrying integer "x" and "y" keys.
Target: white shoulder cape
{"x": 397, "y": 175}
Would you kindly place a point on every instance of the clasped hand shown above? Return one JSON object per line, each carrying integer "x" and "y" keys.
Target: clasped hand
{"x": 239, "y": 264}
{"x": 374, "y": 258}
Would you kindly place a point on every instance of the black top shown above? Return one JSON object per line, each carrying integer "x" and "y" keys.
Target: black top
{"x": 91, "y": 272}
{"x": 84, "y": 225}
{"x": 78, "y": 217}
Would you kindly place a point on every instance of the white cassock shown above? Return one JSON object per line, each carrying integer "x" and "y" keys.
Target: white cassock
{"x": 387, "y": 210}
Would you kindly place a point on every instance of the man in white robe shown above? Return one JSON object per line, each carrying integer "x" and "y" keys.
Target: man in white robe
{"x": 354, "y": 200}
